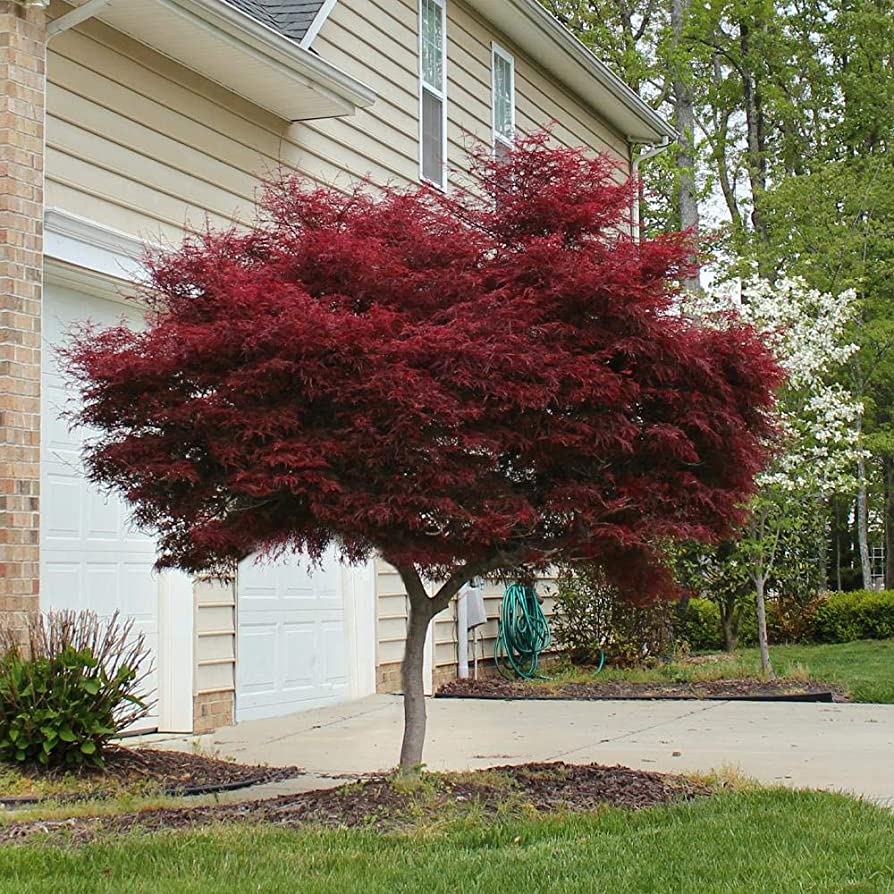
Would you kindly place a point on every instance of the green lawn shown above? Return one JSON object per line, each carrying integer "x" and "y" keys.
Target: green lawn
{"x": 865, "y": 669}
{"x": 768, "y": 841}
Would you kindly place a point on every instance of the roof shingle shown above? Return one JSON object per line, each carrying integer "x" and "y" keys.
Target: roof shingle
{"x": 291, "y": 18}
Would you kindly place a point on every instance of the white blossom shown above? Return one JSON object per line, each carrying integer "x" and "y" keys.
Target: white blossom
{"x": 816, "y": 418}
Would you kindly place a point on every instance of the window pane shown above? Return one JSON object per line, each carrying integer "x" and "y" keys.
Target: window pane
{"x": 432, "y": 138}
{"x": 502, "y": 96}
{"x": 432, "y": 45}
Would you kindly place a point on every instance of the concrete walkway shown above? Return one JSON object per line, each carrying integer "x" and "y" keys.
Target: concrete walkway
{"x": 840, "y": 747}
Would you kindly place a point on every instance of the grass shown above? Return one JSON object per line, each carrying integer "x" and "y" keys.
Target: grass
{"x": 772, "y": 841}
{"x": 865, "y": 669}
{"x": 31, "y": 782}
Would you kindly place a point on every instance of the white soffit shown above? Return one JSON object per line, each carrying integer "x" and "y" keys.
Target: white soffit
{"x": 250, "y": 59}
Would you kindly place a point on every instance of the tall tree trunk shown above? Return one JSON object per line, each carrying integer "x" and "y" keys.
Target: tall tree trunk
{"x": 760, "y": 583}
{"x": 730, "y": 633}
{"x": 684, "y": 117}
{"x": 888, "y": 476}
{"x": 756, "y": 141}
{"x": 838, "y": 537}
{"x": 411, "y": 675}
{"x": 730, "y": 622}
{"x": 863, "y": 524}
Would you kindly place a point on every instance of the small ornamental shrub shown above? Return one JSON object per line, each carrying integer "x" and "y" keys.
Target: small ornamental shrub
{"x": 790, "y": 618}
{"x": 862, "y": 614}
{"x": 592, "y": 617}
{"x": 68, "y": 683}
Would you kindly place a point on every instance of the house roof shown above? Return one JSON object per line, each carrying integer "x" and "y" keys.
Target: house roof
{"x": 292, "y": 18}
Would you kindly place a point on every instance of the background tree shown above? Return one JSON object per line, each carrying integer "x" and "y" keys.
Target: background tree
{"x": 816, "y": 452}
{"x": 463, "y": 384}
{"x": 718, "y": 573}
{"x": 794, "y": 117}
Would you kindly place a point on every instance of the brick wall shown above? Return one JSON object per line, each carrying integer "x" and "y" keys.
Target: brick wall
{"x": 388, "y": 678}
{"x": 22, "y": 70}
{"x": 212, "y": 710}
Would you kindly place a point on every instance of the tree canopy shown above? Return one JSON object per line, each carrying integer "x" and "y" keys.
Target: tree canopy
{"x": 483, "y": 379}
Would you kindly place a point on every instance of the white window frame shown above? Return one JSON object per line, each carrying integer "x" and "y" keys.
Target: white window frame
{"x": 440, "y": 92}
{"x": 497, "y": 51}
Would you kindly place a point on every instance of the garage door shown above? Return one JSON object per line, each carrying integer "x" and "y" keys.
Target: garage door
{"x": 291, "y": 647}
{"x": 90, "y": 556}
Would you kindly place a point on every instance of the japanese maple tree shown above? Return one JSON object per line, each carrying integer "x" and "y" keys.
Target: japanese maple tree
{"x": 463, "y": 383}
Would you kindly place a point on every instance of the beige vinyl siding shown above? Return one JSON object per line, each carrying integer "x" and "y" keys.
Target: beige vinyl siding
{"x": 444, "y": 636}
{"x": 215, "y": 637}
{"x": 141, "y": 144}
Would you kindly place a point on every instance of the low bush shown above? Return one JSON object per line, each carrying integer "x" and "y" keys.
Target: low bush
{"x": 697, "y": 623}
{"x": 826, "y": 618}
{"x": 861, "y": 614}
{"x": 69, "y": 683}
{"x": 591, "y": 619}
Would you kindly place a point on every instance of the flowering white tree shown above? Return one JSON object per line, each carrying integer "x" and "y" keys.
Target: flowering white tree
{"x": 818, "y": 420}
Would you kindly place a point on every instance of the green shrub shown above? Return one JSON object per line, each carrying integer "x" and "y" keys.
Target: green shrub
{"x": 697, "y": 623}
{"x": 861, "y": 614}
{"x": 591, "y": 618}
{"x": 67, "y": 686}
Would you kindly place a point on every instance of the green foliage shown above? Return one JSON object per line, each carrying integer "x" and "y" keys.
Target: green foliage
{"x": 68, "y": 688}
{"x": 862, "y": 614}
{"x": 697, "y": 623}
{"x": 824, "y": 618}
{"x": 592, "y": 618}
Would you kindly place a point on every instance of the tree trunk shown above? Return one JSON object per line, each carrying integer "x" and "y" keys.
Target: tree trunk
{"x": 411, "y": 675}
{"x": 423, "y": 608}
{"x": 759, "y": 585}
{"x": 888, "y": 476}
{"x": 731, "y": 622}
{"x": 684, "y": 117}
{"x": 863, "y": 524}
{"x": 730, "y": 634}
{"x": 838, "y": 538}
{"x": 756, "y": 155}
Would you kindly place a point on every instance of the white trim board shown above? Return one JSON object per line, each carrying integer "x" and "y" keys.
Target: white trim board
{"x": 86, "y": 244}
{"x": 317, "y": 23}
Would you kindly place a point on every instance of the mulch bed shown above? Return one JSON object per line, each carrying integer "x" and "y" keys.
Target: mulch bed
{"x": 384, "y": 804}
{"x": 744, "y": 689}
{"x": 152, "y": 770}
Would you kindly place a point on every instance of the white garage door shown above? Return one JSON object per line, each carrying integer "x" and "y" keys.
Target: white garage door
{"x": 90, "y": 557}
{"x": 291, "y": 648}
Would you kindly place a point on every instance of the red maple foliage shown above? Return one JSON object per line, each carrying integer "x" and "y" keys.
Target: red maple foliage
{"x": 463, "y": 383}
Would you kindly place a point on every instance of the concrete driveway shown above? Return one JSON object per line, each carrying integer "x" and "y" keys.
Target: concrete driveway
{"x": 840, "y": 747}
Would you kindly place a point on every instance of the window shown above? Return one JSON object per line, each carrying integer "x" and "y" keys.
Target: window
{"x": 502, "y": 98}
{"x": 433, "y": 90}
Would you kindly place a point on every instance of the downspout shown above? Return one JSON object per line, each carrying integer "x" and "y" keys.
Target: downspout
{"x": 462, "y": 634}
{"x": 634, "y": 174}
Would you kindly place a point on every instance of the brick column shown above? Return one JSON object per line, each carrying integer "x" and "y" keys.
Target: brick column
{"x": 22, "y": 103}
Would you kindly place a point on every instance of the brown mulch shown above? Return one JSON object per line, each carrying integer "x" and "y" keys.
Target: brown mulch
{"x": 384, "y": 803}
{"x": 498, "y": 688}
{"x": 151, "y": 770}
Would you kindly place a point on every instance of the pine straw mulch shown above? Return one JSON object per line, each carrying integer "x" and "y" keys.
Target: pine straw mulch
{"x": 745, "y": 689}
{"x": 389, "y": 803}
{"x": 138, "y": 771}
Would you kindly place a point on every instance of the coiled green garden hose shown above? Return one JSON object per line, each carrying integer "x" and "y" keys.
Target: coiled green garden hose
{"x": 523, "y": 633}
